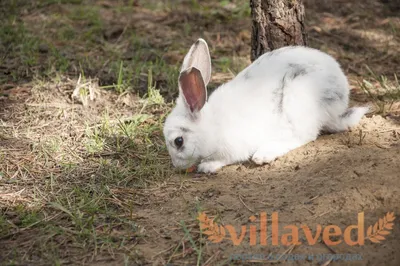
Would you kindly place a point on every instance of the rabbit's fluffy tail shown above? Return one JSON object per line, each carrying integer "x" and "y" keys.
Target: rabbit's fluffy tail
{"x": 348, "y": 119}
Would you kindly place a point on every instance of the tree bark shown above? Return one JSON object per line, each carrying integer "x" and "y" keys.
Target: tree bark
{"x": 276, "y": 23}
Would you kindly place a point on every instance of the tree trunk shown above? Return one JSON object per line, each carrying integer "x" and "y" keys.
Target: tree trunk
{"x": 276, "y": 23}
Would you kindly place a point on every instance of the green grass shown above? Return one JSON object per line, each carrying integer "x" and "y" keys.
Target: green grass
{"x": 80, "y": 213}
{"x": 382, "y": 91}
{"x": 5, "y": 226}
{"x": 74, "y": 41}
{"x": 231, "y": 65}
{"x": 74, "y": 176}
{"x": 197, "y": 248}
{"x": 15, "y": 40}
{"x": 82, "y": 193}
{"x": 86, "y": 204}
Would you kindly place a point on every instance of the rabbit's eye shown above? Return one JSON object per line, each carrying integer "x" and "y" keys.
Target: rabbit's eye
{"x": 178, "y": 142}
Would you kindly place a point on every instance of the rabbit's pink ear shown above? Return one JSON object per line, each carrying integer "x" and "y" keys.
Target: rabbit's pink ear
{"x": 199, "y": 57}
{"x": 193, "y": 89}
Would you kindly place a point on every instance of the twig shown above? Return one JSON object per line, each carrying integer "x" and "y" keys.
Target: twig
{"x": 326, "y": 263}
{"x": 240, "y": 198}
{"x": 381, "y": 146}
{"x": 322, "y": 214}
{"x": 331, "y": 250}
{"x": 18, "y": 193}
{"x": 313, "y": 213}
{"x": 176, "y": 248}
{"x": 212, "y": 257}
{"x": 328, "y": 247}
{"x": 310, "y": 200}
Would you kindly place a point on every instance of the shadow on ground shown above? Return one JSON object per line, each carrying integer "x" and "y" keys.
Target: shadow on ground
{"x": 92, "y": 184}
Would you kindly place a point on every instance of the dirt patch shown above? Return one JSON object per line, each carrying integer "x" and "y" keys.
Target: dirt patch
{"x": 325, "y": 182}
{"x": 94, "y": 184}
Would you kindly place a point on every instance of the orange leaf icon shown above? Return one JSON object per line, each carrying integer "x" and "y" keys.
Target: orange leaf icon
{"x": 216, "y": 233}
{"x": 381, "y": 228}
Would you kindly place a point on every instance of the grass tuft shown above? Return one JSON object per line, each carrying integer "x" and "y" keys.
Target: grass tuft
{"x": 382, "y": 91}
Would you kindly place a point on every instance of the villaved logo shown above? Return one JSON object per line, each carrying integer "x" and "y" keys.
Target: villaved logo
{"x": 217, "y": 233}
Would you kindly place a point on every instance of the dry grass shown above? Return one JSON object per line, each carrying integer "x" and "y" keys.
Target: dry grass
{"x": 72, "y": 175}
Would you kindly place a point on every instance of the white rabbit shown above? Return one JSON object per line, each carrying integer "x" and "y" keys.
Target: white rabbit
{"x": 278, "y": 103}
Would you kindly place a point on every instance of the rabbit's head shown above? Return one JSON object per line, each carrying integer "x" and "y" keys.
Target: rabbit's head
{"x": 183, "y": 127}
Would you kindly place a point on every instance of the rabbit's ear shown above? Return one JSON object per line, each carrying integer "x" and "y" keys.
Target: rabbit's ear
{"x": 199, "y": 57}
{"x": 192, "y": 89}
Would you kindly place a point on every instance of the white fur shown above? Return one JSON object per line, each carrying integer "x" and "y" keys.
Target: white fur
{"x": 278, "y": 103}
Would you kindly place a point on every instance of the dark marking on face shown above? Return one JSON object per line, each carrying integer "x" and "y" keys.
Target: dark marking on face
{"x": 184, "y": 129}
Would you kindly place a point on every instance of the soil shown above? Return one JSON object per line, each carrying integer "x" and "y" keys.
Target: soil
{"x": 327, "y": 182}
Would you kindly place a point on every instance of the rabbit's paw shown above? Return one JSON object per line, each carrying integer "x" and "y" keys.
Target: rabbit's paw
{"x": 210, "y": 167}
{"x": 262, "y": 157}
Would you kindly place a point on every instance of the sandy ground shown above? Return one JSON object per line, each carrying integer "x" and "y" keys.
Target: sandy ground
{"x": 327, "y": 182}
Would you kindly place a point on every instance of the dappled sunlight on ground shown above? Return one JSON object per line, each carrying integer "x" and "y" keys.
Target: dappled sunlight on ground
{"x": 92, "y": 183}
